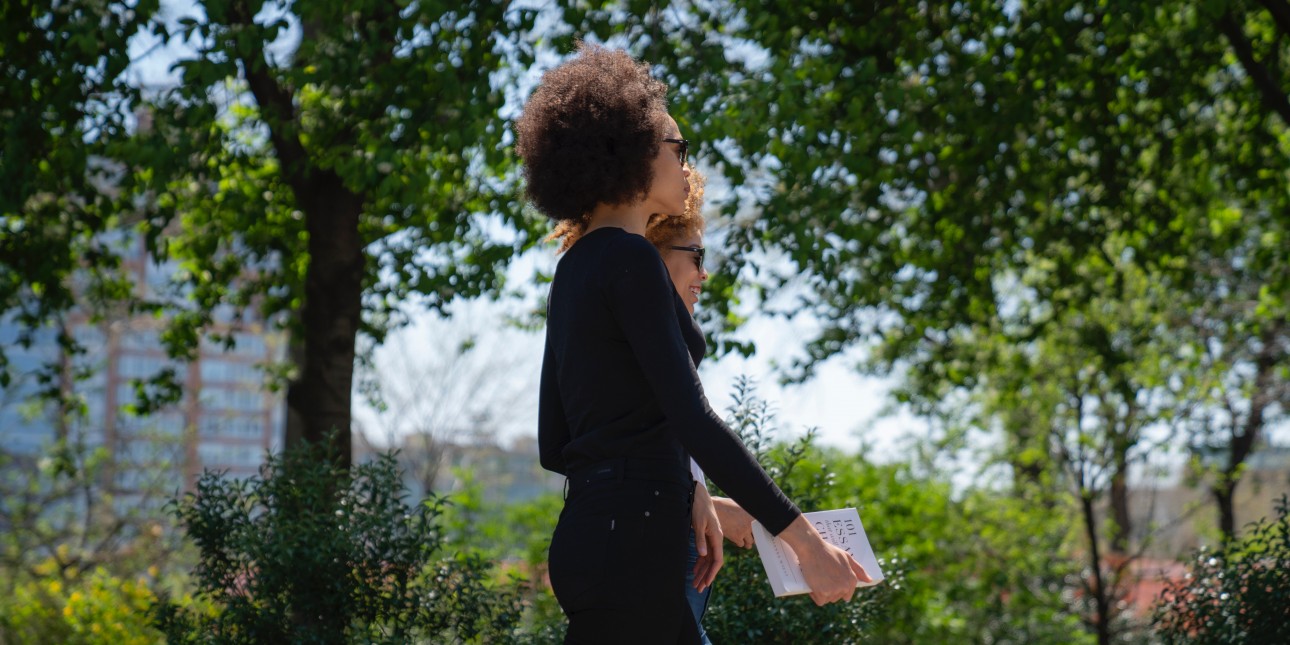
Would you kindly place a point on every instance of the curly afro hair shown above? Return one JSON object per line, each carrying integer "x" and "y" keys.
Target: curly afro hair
{"x": 662, "y": 230}
{"x": 590, "y": 132}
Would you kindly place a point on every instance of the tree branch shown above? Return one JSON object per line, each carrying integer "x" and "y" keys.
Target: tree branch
{"x": 1274, "y": 98}
{"x": 276, "y": 105}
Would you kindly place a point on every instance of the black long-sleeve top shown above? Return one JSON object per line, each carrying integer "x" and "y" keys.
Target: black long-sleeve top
{"x": 618, "y": 378}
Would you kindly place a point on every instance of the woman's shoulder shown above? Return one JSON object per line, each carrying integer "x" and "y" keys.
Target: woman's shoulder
{"x": 618, "y": 249}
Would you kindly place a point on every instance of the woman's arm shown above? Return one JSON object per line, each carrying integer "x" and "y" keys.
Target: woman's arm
{"x": 553, "y": 426}
{"x": 736, "y": 523}
{"x": 641, "y": 297}
{"x": 640, "y": 294}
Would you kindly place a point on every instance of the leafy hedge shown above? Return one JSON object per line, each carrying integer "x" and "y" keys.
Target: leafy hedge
{"x": 1238, "y": 593}
{"x": 310, "y": 553}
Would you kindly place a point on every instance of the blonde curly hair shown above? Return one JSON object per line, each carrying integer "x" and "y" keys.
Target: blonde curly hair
{"x": 662, "y": 230}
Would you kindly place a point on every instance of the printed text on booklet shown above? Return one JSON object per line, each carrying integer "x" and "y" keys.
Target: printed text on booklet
{"x": 841, "y": 528}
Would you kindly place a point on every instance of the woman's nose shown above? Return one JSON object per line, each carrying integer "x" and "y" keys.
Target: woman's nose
{"x": 703, "y": 274}
{"x": 685, "y": 170}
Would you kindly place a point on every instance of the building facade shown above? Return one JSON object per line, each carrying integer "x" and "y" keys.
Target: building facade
{"x": 226, "y": 420}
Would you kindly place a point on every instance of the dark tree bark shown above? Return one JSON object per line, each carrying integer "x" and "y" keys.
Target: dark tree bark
{"x": 1119, "y": 542}
{"x": 318, "y": 401}
{"x": 1099, "y": 590}
{"x": 1243, "y": 436}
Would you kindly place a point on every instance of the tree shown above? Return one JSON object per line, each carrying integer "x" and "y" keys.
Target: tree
{"x": 65, "y": 107}
{"x": 915, "y": 162}
{"x": 329, "y": 162}
{"x": 1237, "y": 328}
{"x": 317, "y": 165}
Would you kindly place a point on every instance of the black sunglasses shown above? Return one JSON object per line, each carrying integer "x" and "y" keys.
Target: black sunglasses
{"x": 697, "y": 250}
{"x": 684, "y": 151}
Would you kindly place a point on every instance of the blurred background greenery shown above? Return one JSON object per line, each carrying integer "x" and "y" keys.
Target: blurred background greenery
{"x": 1058, "y": 227}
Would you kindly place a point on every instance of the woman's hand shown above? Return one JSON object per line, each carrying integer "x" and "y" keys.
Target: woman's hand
{"x": 830, "y": 572}
{"x": 736, "y": 523}
{"x": 707, "y": 539}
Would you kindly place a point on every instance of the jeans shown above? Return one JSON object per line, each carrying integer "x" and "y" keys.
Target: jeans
{"x": 698, "y": 600}
{"x": 615, "y": 563}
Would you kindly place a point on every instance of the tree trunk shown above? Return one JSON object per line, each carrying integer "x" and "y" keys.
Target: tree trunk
{"x": 1244, "y": 435}
{"x": 294, "y": 432}
{"x": 320, "y": 397}
{"x": 1119, "y": 542}
{"x": 330, "y": 317}
{"x": 1101, "y": 595}
{"x": 1223, "y": 497}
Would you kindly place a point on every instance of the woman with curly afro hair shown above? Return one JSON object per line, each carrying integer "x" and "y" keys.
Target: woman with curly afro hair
{"x": 679, "y": 240}
{"x": 621, "y": 408}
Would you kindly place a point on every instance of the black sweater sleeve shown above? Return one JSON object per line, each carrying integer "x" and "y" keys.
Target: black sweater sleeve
{"x": 553, "y": 424}
{"x": 640, "y": 294}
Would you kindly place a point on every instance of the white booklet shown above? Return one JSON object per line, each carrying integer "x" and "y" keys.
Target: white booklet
{"x": 841, "y": 528}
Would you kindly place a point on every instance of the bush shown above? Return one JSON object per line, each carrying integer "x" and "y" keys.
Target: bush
{"x": 311, "y": 553}
{"x": 519, "y": 535}
{"x": 1239, "y": 593}
{"x": 93, "y": 609}
{"x": 78, "y": 551}
{"x": 742, "y": 607}
{"x": 969, "y": 566}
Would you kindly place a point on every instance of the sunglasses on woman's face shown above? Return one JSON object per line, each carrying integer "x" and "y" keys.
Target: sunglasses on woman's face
{"x": 683, "y": 152}
{"x": 698, "y": 252}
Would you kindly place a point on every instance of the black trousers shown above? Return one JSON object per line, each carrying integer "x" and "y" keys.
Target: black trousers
{"x": 618, "y": 558}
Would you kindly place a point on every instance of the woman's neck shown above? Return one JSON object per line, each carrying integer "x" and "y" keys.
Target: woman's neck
{"x": 629, "y": 217}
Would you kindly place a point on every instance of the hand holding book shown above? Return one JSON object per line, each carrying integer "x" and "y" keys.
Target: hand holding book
{"x": 835, "y": 556}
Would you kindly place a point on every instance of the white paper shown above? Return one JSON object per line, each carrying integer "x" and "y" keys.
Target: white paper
{"x": 841, "y": 528}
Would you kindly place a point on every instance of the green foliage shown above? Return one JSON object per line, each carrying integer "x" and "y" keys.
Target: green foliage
{"x": 312, "y": 553}
{"x": 742, "y": 607}
{"x": 979, "y": 566}
{"x": 1238, "y": 593}
{"x": 518, "y": 536}
{"x": 508, "y": 532}
{"x": 94, "y": 609}
{"x": 63, "y": 109}
{"x": 78, "y": 552}
{"x": 909, "y": 158}
{"x": 369, "y": 109}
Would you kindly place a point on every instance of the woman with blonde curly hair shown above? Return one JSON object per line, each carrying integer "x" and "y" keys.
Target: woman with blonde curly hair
{"x": 621, "y": 408}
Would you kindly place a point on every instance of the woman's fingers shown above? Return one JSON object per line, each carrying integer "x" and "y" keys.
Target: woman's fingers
{"x": 861, "y": 574}
{"x": 717, "y": 557}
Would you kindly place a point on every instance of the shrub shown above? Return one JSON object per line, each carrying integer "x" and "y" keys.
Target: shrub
{"x": 310, "y": 553}
{"x": 78, "y": 550}
{"x": 92, "y": 609}
{"x": 970, "y": 565}
{"x": 742, "y": 607}
{"x": 1239, "y": 593}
